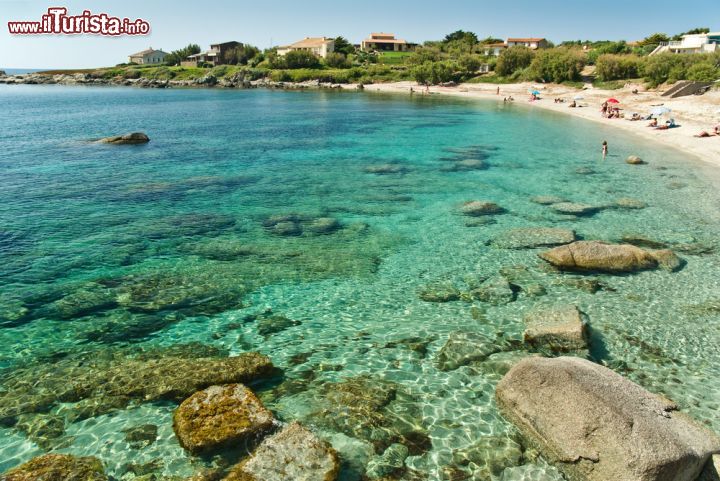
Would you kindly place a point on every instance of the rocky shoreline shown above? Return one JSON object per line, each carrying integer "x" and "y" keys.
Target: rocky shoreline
{"x": 207, "y": 81}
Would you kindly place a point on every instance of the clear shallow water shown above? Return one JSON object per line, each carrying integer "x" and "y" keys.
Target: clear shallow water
{"x": 112, "y": 249}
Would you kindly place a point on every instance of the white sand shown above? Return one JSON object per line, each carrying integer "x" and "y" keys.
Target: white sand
{"x": 693, "y": 113}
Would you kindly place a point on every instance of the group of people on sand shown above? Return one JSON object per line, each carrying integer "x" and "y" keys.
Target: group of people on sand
{"x": 610, "y": 112}
{"x": 509, "y": 99}
{"x": 715, "y": 132}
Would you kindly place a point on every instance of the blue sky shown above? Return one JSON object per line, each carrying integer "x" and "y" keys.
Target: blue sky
{"x": 177, "y": 23}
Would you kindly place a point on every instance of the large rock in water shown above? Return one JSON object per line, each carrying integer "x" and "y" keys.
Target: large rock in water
{"x": 596, "y": 425}
{"x": 530, "y": 237}
{"x": 218, "y": 416}
{"x": 127, "y": 139}
{"x": 600, "y": 256}
{"x": 560, "y": 329}
{"x": 293, "y": 454}
{"x": 57, "y": 467}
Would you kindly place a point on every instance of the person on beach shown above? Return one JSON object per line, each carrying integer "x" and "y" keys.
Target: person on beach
{"x": 573, "y": 105}
{"x": 604, "y": 108}
{"x": 703, "y": 134}
{"x": 498, "y": 91}
{"x": 653, "y": 123}
{"x": 604, "y": 149}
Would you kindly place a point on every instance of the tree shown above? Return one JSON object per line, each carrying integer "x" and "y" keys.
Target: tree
{"x": 240, "y": 55}
{"x": 469, "y": 64}
{"x": 177, "y": 56}
{"x": 489, "y": 40}
{"x": 343, "y": 46}
{"x": 514, "y": 59}
{"x": 654, "y": 39}
{"x": 337, "y": 60}
{"x": 424, "y": 54}
{"x": 703, "y": 72}
{"x": 694, "y": 31}
{"x": 461, "y": 36}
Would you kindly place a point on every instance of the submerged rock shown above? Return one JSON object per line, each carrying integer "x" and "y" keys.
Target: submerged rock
{"x": 99, "y": 385}
{"x": 628, "y": 203}
{"x": 595, "y": 425}
{"x": 466, "y": 165}
{"x": 127, "y": 139}
{"x": 531, "y": 237}
{"x": 323, "y": 225}
{"x": 478, "y": 208}
{"x": 389, "y": 462}
{"x": 462, "y": 348}
{"x": 496, "y": 291}
{"x": 294, "y": 454}
{"x": 57, "y": 467}
{"x": 559, "y": 329}
{"x": 86, "y": 300}
{"x": 576, "y": 209}
{"x": 600, "y": 256}
{"x": 141, "y": 436}
{"x": 547, "y": 199}
{"x": 384, "y": 169}
{"x": 219, "y": 416}
{"x": 42, "y": 429}
{"x": 668, "y": 260}
{"x": 642, "y": 241}
{"x": 491, "y": 455}
{"x": 440, "y": 293}
{"x": 269, "y": 324}
{"x": 634, "y": 160}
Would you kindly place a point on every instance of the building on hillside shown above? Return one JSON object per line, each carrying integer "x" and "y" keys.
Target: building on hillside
{"x": 320, "y": 46}
{"x": 148, "y": 57}
{"x": 531, "y": 43}
{"x": 385, "y": 42}
{"x": 219, "y": 54}
{"x": 695, "y": 43}
{"x": 496, "y": 49}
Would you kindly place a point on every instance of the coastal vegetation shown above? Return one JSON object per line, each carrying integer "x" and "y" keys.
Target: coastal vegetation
{"x": 460, "y": 56}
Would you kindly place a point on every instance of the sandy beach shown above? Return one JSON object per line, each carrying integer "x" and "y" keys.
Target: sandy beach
{"x": 693, "y": 113}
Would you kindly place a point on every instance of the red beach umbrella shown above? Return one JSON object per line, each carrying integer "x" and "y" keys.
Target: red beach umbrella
{"x": 613, "y": 101}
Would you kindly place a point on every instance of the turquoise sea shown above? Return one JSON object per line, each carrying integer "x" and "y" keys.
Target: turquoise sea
{"x": 306, "y": 226}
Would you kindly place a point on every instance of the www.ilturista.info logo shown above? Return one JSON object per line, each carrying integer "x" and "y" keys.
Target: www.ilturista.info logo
{"x": 57, "y": 21}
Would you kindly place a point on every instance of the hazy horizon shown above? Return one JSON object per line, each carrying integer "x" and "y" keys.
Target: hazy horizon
{"x": 174, "y": 25}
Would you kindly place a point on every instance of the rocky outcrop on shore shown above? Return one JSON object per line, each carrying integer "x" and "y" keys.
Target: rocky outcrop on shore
{"x": 595, "y": 425}
{"x": 234, "y": 82}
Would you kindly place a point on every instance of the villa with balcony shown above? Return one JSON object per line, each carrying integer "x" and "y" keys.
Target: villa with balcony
{"x": 532, "y": 43}
{"x": 695, "y": 43}
{"x": 384, "y": 42}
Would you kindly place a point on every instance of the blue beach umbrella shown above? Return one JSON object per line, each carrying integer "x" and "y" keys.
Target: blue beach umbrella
{"x": 535, "y": 92}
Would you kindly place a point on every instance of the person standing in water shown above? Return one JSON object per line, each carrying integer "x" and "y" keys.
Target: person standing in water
{"x": 604, "y": 149}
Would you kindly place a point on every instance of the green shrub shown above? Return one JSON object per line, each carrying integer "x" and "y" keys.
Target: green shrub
{"x": 615, "y": 67}
{"x": 513, "y": 59}
{"x": 337, "y": 60}
{"x": 703, "y": 72}
{"x": 433, "y": 73}
{"x": 557, "y": 65}
{"x": 658, "y": 68}
{"x": 301, "y": 59}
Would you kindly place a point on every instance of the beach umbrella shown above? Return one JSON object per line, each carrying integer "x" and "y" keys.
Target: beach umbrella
{"x": 535, "y": 92}
{"x": 658, "y": 111}
{"x": 578, "y": 97}
{"x": 613, "y": 101}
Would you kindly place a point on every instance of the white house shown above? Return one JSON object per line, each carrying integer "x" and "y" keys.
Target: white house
{"x": 695, "y": 43}
{"x": 148, "y": 57}
{"x": 320, "y": 46}
{"x": 532, "y": 43}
